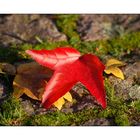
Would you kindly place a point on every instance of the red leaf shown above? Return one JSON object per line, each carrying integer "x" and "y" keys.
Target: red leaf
{"x": 54, "y": 58}
{"x": 70, "y": 67}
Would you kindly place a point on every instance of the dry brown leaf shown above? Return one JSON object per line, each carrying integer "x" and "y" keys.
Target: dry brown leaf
{"x": 29, "y": 79}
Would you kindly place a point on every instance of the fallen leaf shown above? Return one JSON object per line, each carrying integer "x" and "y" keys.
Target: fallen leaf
{"x": 19, "y": 91}
{"x": 60, "y": 102}
{"x": 114, "y": 62}
{"x": 68, "y": 97}
{"x": 115, "y": 71}
{"x": 31, "y": 79}
{"x": 112, "y": 68}
{"x": 69, "y": 68}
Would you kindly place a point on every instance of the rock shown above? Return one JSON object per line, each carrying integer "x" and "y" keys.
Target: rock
{"x": 96, "y": 27}
{"x": 67, "y": 107}
{"x": 80, "y": 89}
{"x": 102, "y": 122}
{"x": 135, "y": 123}
{"x": 132, "y": 70}
{"x": 121, "y": 86}
{"x": 3, "y": 93}
{"x": 91, "y": 27}
{"x": 97, "y": 122}
{"x": 89, "y": 123}
{"x": 8, "y": 68}
{"x": 127, "y": 87}
{"x": 24, "y": 28}
{"x": 1, "y": 90}
{"x": 37, "y": 108}
{"x": 27, "y": 106}
{"x": 134, "y": 92}
{"x": 84, "y": 100}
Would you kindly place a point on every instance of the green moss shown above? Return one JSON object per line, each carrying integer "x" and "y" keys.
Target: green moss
{"x": 136, "y": 105}
{"x": 117, "y": 109}
{"x": 59, "y": 118}
{"x": 120, "y": 45}
{"x": 122, "y": 119}
{"x": 11, "y": 112}
{"x": 88, "y": 47}
{"x": 68, "y": 25}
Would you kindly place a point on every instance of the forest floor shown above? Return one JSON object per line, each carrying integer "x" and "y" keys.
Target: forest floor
{"x": 107, "y": 36}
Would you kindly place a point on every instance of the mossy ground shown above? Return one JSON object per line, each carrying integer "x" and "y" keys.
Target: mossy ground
{"x": 121, "y": 112}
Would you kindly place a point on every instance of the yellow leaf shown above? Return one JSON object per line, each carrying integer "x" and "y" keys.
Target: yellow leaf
{"x": 60, "y": 102}
{"x": 112, "y": 68}
{"x": 30, "y": 94}
{"x": 68, "y": 97}
{"x": 115, "y": 71}
{"x": 17, "y": 92}
{"x": 114, "y": 62}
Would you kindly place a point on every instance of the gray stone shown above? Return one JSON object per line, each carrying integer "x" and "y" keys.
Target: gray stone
{"x": 83, "y": 98}
{"x": 134, "y": 92}
{"x": 127, "y": 87}
{"x": 3, "y": 93}
{"x": 27, "y": 106}
{"x": 1, "y": 90}
{"x": 8, "y": 68}
{"x": 25, "y": 28}
{"x": 97, "y": 122}
{"x": 132, "y": 70}
{"x": 96, "y": 27}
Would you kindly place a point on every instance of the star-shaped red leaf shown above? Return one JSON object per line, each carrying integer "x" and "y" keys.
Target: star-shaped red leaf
{"x": 69, "y": 68}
